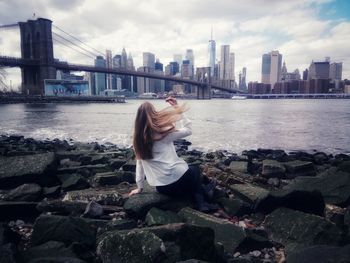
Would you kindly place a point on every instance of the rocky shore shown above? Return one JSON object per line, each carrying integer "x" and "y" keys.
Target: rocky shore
{"x": 67, "y": 202}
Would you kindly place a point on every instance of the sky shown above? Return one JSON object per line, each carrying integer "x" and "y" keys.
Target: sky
{"x": 301, "y": 30}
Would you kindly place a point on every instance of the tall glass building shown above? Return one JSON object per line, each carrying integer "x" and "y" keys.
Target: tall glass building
{"x": 100, "y": 78}
{"x": 212, "y": 56}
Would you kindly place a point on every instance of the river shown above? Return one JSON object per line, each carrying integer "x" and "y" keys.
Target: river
{"x": 235, "y": 125}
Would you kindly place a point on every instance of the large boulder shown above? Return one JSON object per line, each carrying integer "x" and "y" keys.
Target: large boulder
{"x": 299, "y": 168}
{"x": 25, "y": 192}
{"x": 157, "y": 216}
{"x": 320, "y": 254}
{"x": 138, "y": 205}
{"x": 62, "y": 207}
{"x": 239, "y": 166}
{"x": 113, "y": 178}
{"x": 63, "y": 229}
{"x": 18, "y": 170}
{"x": 296, "y": 229}
{"x": 168, "y": 243}
{"x": 73, "y": 182}
{"x": 8, "y": 253}
{"x": 333, "y": 184}
{"x": 272, "y": 168}
{"x": 10, "y": 210}
{"x": 57, "y": 260}
{"x": 305, "y": 201}
{"x": 249, "y": 193}
{"x": 108, "y": 196}
{"x": 235, "y": 206}
{"x": 226, "y": 232}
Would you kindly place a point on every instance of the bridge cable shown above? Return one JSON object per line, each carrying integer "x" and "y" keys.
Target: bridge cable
{"x": 67, "y": 40}
{"x": 78, "y": 40}
{"x": 69, "y": 46}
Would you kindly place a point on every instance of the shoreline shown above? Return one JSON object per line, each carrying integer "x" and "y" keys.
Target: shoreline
{"x": 273, "y": 205}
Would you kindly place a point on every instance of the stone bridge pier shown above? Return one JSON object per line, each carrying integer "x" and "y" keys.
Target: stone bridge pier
{"x": 204, "y": 91}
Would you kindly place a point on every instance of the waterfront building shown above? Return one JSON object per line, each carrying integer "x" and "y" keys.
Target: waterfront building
{"x": 149, "y": 60}
{"x": 258, "y": 88}
{"x": 242, "y": 85}
{"x": 159, "y": 85}
{"x": 186, "y": 69}
{"x": 124, "y": 58}
{"x": 158, "y": 65}
{"x": 212, "y": 55}
{"x": 232, "y": 67}
{"x": 109, "y": 65}
{"x": 130, "y": 63}
{"x": 271, "y": 68}
{"x": 190, "y": 58}
{"x": 305, "y": 74}
{"x": 319, "y": 70}
{"x": 225, "y": 62}
{"x": 100, "y": 78}
{"x": 335, "y": 71}
{"x": 144, "y": 84}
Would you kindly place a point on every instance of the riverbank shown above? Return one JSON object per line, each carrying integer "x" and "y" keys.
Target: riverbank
{"x": 69, "y": 201}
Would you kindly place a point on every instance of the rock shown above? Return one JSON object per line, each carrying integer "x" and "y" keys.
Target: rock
{"x": 91, "y": 168}
{"x": 93, "y": 209}
{"x": 294, "y": 228}
{"x": 53, "y": 191}
{"x": 62, "y": 229}
{"x": 73, "y": 182}
{"x": 113, "y": 178}
{"x": 235, "y": 206}
{"x": 62, "y": 207}
{"x": 334, "y": 186}
{"x": 18, "y": 170}
{"x": 101, "y": 196}
{"x": 274, "y": 182}
{"x": 320, "y": 254}
{"x": 8, "y": 253}
{"x": 49, "y": 249}
{"x": 15, "y": 210}
{"x": 272, "y": 168}
{"x": 226, "y": 233}
{"x": 69, "y": 163}
{"x": 320, "y": 158}
{"x": 345, "y": 166}
{"x": 118, "y": 224}
{"x": 347, "y": 217}
{"x": 116, "y": 163}
{"x": 138, "y": 205}
{"x": 239, "y": 166}
{"x": 249, "y": 193}
{"x": 57, "y": 260}
{"x": 130, "y": 166}
{"x": 25, "y": 192}
{"x": 168, "y": 243}
{"x": 305, "y": 201}
{"x": 156, "y": 216}
{"x": 299, "y": 168}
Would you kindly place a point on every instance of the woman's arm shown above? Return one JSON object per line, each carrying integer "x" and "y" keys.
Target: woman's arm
{"x": 140, "y": 178}
{"x": 183, "y": 131}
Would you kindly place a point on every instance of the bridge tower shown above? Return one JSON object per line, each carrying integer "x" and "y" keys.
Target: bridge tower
{"x": 36, "y": 44}
{"x": 204, "y": 91}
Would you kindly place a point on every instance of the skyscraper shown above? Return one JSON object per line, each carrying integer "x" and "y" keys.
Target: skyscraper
{"x": 100, "y": 78}
{"x": 225, "y": 62}
{"x": 178, "y": 59}
{"x": 212, "y": 54}
{"x": 335, "y": 71}
{"x": 232, "y": 67}
{"x": 149, "y": 60}
{"x": 319, "y": 70}
{"x": 124, "y": 58}
{"x": 271, "y": 68}
{"x": 190, "y": 58}
{"x": 109, "y": 65}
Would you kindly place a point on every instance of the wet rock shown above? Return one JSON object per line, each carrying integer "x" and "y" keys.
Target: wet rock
{"x": 73, "y": 182}
{"x": 333, "y": 184}
{"x": 226, "y": 233}
{"x": 69, "y": 163}
{"x": 113, "y": 178}
{"x": 320, "y": 254}
{"x": 130, "y": 166}
{"x": 272, "y": 168}
{"x": 116, "y": 163}
{"x": 92, "y": 169}
{"x": 320, "y": 158}
{"x": 235, "y": 206}
{"x": 305, "y": 201}
{"x": 249, "y": 193}
{"x": 297, "y": 229}
{"x": 53, "y": 191}
{"x": 299, "y": 168}
{"x": 93, "y": 209}
{"x": 347, "y": 217}
{"x": 18, "y": 170}
{"x": 25, "y": 192}
{"x": 62, "y": 207}
{"x": 156, "y": 216}
{"x": 168, "y": 243}
{"x": 138, "y": 205}
{"x": 239, "y": 166}
{"x": 16, "y": 210}
{"x": 63, "y": 229}
{"x": 101, "y": 196}
{"x": 57, "y": 260}
{"x": 274, "y": 182}
{"x": 52, "y": 249}
{"x": 345, "y": 166}
{"x": 118, "y": 224}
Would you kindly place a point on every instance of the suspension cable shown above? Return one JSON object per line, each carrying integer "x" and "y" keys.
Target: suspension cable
{"x": 73, "y": 48}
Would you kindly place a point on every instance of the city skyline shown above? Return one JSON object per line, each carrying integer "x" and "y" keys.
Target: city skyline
{"x": 302, "y": 31}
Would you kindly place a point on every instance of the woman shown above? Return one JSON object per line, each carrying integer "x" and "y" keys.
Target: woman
{"x": 156, "y": 158}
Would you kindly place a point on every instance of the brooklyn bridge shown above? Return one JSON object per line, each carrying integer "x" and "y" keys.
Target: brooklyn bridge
{"x": 37, "y": 62}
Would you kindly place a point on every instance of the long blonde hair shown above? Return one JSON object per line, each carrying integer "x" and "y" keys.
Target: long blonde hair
{"x": 152, "y": 125}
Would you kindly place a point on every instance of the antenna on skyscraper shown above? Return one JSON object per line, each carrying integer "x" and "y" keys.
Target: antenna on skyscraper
{"x": 211, "y": 33}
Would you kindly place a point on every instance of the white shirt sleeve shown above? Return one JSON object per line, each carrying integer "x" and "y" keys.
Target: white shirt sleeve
{"x": 185, "y": 130}
{"x": 140, "y": 174}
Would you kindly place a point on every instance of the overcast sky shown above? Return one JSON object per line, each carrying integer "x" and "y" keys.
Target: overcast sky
{"x": 302, "y": 30}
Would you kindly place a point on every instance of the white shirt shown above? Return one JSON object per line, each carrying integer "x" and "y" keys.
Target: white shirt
{"x": 165, "y": 167}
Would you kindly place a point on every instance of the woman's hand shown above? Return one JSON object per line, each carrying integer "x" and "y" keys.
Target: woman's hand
{"x": 135, "y": 191}
{"x": 171, "y": 100}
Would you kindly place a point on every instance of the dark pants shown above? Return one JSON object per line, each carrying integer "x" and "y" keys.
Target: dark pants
{"x": 188, "y": 184}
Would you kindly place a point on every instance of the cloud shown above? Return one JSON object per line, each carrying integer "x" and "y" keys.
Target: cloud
{"x": 251, "y": 27}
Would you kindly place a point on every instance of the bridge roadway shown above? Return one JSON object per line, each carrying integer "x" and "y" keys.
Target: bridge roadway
{"x": 19, "y": 62}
